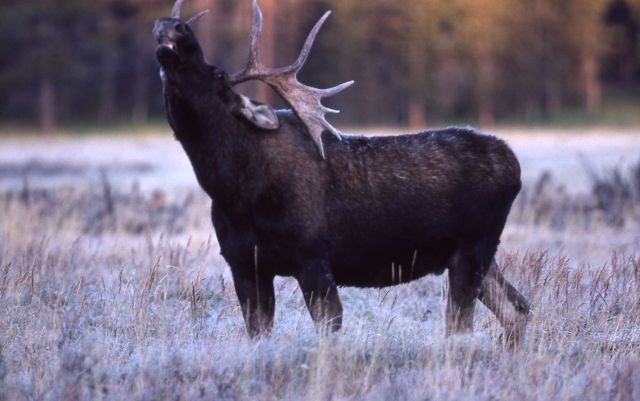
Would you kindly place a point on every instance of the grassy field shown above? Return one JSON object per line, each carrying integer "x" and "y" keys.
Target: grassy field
{"x": 112, "y": 287}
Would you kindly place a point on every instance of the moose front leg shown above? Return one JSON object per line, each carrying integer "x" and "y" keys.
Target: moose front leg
{"x": 321, "y": 295}
{"x": 257, "y": 301}
{"x": 463, "y": 290}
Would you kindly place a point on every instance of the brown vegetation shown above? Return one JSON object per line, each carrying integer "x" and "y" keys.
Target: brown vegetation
{"x": 118, "y": 294}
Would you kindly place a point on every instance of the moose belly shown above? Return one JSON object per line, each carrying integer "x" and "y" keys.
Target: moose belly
{"x": 389, "y": 265}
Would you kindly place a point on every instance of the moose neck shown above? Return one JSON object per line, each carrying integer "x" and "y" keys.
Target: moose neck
{"x": 218, "y": 145}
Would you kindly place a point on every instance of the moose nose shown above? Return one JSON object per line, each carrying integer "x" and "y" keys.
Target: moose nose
{"x": 180, "y": 28}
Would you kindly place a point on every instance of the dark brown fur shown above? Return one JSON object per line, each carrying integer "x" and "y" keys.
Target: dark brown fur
{"x": 377, "y": 212}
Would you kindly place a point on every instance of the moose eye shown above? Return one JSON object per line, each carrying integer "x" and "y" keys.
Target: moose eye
{"x": 180, "y": 28}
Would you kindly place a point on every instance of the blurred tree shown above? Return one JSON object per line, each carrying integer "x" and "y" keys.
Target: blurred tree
{"x": 584, "y": 21}
{"x": 38, "y": 57}
{"x": 483, "y": 30}
{"x": 420, "y": 43}
{"x": 622, "y": 41}
{"x": 414, "y": 62}
{"x": 538, "y": 57}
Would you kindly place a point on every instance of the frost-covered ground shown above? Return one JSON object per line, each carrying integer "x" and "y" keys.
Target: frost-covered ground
{"x": 116, "y": 291}
{"x": 156, "y": 160}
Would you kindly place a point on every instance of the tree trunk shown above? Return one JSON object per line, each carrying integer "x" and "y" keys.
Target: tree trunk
{"x": 107, "y": 92}
{"x": 592, "y": 89}
{"x": 291, "y": 26}
{"x": 485, "y": 85}
{"x": 205, "y": 28}
{"x": 553, "y": 97}
{"x": 140, "y": 106}
{"x": 140, "y": 109}
{"x": 47, "y": 115}
{"x": 417, "y": 119}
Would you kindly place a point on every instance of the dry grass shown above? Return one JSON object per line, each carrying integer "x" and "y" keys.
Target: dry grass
{"x": 118, "y": 294}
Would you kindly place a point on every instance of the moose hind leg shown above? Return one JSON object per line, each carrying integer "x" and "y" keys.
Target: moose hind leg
{"x": 463, "y": 290}
{"x": 257, "y": 301}
{"x": 321, "y": 296}
{"x": 509, "y": 306}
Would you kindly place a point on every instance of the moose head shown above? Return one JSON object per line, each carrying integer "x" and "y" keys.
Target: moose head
{"x": 178, "y": 50}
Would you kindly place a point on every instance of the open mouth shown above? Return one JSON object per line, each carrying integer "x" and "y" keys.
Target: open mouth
{"x": 164, "y": 41}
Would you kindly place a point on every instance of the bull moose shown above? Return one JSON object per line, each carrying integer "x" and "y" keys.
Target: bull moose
{"x": 336, "y": 210}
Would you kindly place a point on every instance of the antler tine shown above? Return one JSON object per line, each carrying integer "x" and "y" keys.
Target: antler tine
{"x": 305, "y": 101}
{"x": 307, "y": 104}
{"x": 336, "y": 89}
{"x": 196, "y": 17}
{"x": 308, "y": 44}
{"x": 254, "y": 68}
{"x": 177, "y": 6}
{"x": 254, "y": 38}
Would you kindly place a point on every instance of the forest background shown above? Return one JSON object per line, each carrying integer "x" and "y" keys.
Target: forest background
{"x": 66, "y": 64}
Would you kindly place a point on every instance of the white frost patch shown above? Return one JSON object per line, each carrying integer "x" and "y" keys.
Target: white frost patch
{"x": 560, "y": 152}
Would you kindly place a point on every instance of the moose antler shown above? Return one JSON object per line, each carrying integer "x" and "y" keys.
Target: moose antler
{"x": 175, "y": 12}
{"x": 305, "y": 101}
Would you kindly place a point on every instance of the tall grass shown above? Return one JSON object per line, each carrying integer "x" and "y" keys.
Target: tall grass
{"x": 123, "y": 295}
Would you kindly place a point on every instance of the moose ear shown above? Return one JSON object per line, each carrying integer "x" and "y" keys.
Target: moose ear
{"x": 258, "y": 114}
